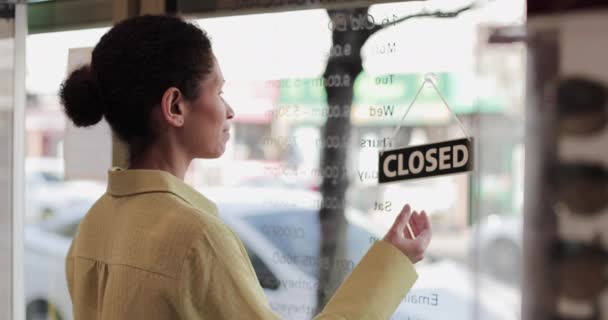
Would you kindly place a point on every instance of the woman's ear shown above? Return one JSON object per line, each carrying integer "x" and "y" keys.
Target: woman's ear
{"x": 173, "y": 107}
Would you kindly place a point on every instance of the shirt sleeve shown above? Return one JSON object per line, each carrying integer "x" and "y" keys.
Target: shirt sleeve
{"x": 218, "y": 282}
{"x": 376, "y": 286}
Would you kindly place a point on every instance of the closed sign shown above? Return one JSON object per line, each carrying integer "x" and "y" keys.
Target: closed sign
{"x": 427, "y": 160}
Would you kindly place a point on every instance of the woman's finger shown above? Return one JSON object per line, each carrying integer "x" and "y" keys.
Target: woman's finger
{"x": 412, "y": 223}
{"x": 417, "y": 223}
{"x": 407, "y": 233}
{"x": 423, "y": 221}
{"x": 411, "y": 231}
{"x": 424, "y": 238}
{"x": 401, "y": 221}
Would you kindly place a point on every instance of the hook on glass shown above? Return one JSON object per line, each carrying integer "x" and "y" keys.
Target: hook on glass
{"x": 425, "y": 10}
{"x": 431, "y": 77}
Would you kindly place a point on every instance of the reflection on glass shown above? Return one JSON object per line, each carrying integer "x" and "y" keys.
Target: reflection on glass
{"x": 296, "y": 234}
{"x": 275, "y": 85}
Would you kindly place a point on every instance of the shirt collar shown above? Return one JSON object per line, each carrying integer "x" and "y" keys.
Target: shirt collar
{"x": 130, "y": 182}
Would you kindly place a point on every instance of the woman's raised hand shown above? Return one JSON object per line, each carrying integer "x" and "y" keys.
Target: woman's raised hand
{"x": 401, "y": 238}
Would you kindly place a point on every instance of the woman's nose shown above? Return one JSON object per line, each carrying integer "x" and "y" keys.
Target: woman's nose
{"x": 229, "y": 111}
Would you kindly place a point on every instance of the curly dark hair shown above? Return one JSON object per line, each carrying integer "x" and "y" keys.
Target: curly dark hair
{"x": 131, "y": 67}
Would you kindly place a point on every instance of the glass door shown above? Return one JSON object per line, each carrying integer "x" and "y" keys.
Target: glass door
{"x": 7, "y": 44}
{"x": 12, "y": 96}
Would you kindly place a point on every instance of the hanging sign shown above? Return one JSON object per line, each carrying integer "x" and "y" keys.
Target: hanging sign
{"x": 427, "y": 160}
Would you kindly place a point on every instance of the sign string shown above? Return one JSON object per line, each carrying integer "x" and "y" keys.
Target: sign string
{"x": 428, "y": 78}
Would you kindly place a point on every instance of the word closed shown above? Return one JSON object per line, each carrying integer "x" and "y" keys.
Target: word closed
{"x": 427, "y": 160}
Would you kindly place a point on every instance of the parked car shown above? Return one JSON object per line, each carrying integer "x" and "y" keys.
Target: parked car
{"x": 282, "y": 242}
{"x": 47, "y": 193}
{"x": 46, "y": 245}
{"x": 496, "y": 244}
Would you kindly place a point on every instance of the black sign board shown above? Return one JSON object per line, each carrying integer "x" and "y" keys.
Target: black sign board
{"x": 545, "y": 7}
{"x": 427, "y": 160}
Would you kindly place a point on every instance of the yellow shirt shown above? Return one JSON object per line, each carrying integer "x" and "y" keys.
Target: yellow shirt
{"x": 152, "y": 248}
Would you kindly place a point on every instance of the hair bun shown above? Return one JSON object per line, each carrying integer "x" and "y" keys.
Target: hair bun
{"x": 81, "y": 97}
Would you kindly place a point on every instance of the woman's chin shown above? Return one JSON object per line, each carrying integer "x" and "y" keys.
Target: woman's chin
{"x": 222, "y": 150}
{"x": 213, "y": 154}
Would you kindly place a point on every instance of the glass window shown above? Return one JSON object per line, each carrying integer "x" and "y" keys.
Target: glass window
{"x": 277, "y": 86}
{"x": 50, "y": 177}
{"x": 69, "y": 230}
{"x": 296, "y": 233}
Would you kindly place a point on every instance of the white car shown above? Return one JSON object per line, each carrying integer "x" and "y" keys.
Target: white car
{"x": 47, "y": 193}
{"x": 282, "y": 242}
{"x": 497, "y": 245}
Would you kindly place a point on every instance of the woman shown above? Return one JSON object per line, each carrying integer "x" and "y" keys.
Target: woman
{"x": 154, "y": 248}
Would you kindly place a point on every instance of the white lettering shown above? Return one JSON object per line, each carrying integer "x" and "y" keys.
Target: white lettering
{"x": 430, "y": 158}
{"x": 385, "y": 168}
{"x": 465, "y": 156}
{"x": 401, "y": 170}
{"x": 424, "y": 161}
{"x": 416, "y": 155}
{"x": 444, "y": 157}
